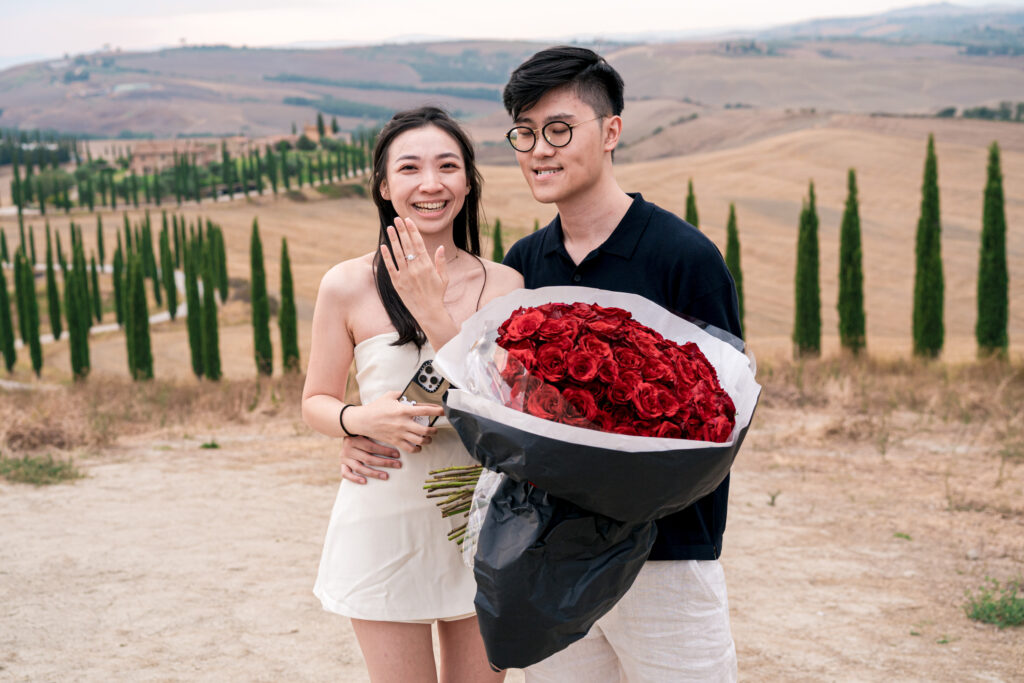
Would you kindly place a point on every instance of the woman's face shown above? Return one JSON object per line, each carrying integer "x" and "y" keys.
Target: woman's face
{"x": 426, "y": 178}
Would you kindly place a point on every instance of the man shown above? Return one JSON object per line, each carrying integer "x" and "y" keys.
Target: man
{"x": 673, "y": 623}
{"x": 566, "y": 102}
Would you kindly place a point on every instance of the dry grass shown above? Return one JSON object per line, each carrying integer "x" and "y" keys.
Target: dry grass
{"x": 94, "y": 414}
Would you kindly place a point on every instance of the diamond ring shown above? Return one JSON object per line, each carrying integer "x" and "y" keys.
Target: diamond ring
{"x": 410, "y": 257}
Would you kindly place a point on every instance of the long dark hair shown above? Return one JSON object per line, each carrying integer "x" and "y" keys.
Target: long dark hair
{"x": 466, "y": 230}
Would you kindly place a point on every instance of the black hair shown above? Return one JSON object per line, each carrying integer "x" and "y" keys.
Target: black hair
{"x": 593, "y": 79}
{"x": 466, "y": 229}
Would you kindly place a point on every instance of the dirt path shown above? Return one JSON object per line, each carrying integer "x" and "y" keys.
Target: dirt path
{"x": 174, "y": 562}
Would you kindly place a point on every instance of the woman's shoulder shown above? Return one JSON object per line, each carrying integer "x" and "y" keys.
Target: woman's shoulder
{"x": 349, "y": 277}
{"x": 502, "y": 274}
{"x": 500, "y": 280}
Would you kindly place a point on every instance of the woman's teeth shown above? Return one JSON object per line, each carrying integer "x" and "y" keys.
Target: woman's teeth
{"x": 430, "y": 206}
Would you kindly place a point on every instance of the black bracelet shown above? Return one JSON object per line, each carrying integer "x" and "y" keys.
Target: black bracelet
{"x": 341, "y": 419}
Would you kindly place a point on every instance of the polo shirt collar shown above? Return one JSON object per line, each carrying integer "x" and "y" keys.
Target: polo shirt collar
{"x": 623, "y": 240}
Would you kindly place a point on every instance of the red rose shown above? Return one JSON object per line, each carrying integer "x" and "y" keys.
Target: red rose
{"x": 545, "y": 402}
{"x": 523, "y": 387}
{"x": 592, "y": 344}
{"x": 667, "y": 430}
{"x": 559, "y": 328}
{"x": 654, "y": 369}
{"x": 583, "y": 311}
{"x": 645, "y": 400}
{"x": 582, "y": 366}
{"x": 620, "y": 392}
{"x": 551, "y": 362}
{"x": 523, "y": 325}
{"x": 628, "y": 359}
{"x": 603, "y": 421}
{"x": 625, "y": 428}
{"x": 669, "y": 403}
{"x": 608, "y": 371}
{"x": 580, "y": 407}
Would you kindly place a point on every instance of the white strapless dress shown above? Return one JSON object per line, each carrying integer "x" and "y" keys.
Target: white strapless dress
{"x": 386, "y": 556}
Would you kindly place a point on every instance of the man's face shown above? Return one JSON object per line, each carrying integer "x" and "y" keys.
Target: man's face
{"x": 558, "y": 174}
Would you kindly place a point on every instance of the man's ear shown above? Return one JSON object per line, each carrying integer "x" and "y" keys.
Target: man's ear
{"x": 612, "y": 132}
{"x": 384, "y": 190}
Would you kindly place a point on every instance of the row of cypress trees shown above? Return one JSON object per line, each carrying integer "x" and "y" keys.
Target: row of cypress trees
{"x": 286, "y": 317}
{"x": 201, "y": 251}
{"x": 928, "y": 323}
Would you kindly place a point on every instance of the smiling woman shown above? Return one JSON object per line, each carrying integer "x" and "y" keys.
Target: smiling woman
{"x": 386, "y": 562}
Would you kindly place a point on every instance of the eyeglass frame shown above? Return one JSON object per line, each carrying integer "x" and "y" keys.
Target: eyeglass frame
{"x": 535, "y": 131}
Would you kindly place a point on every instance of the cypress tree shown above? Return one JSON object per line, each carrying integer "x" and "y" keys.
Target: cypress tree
{"x": 287, "y": 321}
{"x": 851, "y": 274}
{"x": 732, "y": 259}
{"x": 21, "y": 296}
{"x": 32, "y": 245}
{"x": 334, "y": 124}
{"x": 52, "y": 294}
{"x": 807, "y": 314}
{"x": 320, "y": 128}
{"x": 226, "y": 169}
{"x": 149, "y": 260}
{"x": 222, "y": 265}
{"x": 993, "y": 278}
{"x": 135, "y": 189}
{"x": 5, "y": 256}
{"x": 127, "y": 234}
{"x": 6, "y": 325}
{"x": 31, "y": 315}
{"x": 536, "y": 224}
{"x": 118, "y": 276}
{"x": 60, "y": 257}
{"x": 141, "y": 350}
{"x": 167, "y": 274}
{"x": 193, "y": 311}
{"x": 929, "y": 285}
{"x": 157, "y": 190}
{"x": 498, "y": 255}
{"x": 145, "y": 188}
{"x": 691, "y": 205}
{"x": 77, "y": 306}
{"x": 99, "y": 239}
{"x": 97, "y": 302}
{"x": 211, "y": 340}
{"x": 272, "y": 169}
{"x": 177, "y": 242}
{"x": 260, "y": 304}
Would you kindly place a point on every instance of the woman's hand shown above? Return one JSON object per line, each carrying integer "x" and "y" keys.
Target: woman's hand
{"x": 388, "y": 420}
{"x": 421, "y": 281}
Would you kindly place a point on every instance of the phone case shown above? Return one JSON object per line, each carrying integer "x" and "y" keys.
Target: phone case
{"x": 426, "y": 386}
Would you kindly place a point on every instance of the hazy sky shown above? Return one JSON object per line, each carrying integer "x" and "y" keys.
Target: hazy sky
{"x": 36, "y": 29}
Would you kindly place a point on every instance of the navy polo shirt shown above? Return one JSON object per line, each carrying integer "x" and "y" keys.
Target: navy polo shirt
{"x": 661, "y": 257}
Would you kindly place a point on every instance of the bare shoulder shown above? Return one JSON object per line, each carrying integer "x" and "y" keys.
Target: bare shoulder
{"x": 501, "y": 280}
{"x": 348, "y": 279}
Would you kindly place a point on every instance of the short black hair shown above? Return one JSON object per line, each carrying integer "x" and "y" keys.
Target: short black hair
{"x": 593, "y": 79}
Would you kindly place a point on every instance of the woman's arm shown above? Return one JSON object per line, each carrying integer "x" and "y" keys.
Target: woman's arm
{"x": 341, "y": 292}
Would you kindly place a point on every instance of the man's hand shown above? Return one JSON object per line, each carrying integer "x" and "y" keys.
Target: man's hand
{"x": 361, "y": 456}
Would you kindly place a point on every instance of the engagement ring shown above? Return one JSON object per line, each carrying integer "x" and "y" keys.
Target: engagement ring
{"x": 410, "y": 257}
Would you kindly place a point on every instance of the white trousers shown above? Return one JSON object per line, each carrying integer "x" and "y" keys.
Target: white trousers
{"x": 671, "y": 625}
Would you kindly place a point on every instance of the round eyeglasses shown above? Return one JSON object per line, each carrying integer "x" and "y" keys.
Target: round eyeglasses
{"x": 556, "y": 133}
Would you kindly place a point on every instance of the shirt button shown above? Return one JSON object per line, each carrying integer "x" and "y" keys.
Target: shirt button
{"x": 576, "y": 278}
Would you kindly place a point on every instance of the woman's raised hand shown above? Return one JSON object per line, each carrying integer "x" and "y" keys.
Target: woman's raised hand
{"x": 390, "y": 421}
{"x": 420, "y": 281}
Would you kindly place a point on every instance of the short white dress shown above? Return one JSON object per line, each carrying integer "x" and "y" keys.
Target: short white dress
{"x": 386, "y": 556}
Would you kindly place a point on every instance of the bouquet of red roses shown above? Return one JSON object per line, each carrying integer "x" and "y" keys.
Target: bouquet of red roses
{"x": 596, "y": 367}
{"x": 601, "y": 412}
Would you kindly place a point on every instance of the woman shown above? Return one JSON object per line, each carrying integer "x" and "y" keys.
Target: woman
{"x": 387, "y": 563}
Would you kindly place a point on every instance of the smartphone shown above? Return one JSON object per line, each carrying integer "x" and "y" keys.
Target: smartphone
{"x": 426, "y": 386}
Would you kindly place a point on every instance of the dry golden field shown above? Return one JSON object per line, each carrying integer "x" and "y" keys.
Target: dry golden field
{"x": 868, "y": 498}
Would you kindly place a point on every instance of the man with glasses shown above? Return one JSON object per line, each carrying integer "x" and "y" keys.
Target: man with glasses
{"x": 566, "y": 102}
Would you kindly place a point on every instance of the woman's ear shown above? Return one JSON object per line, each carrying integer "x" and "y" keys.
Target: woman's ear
{"x": 384, "y": 190}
